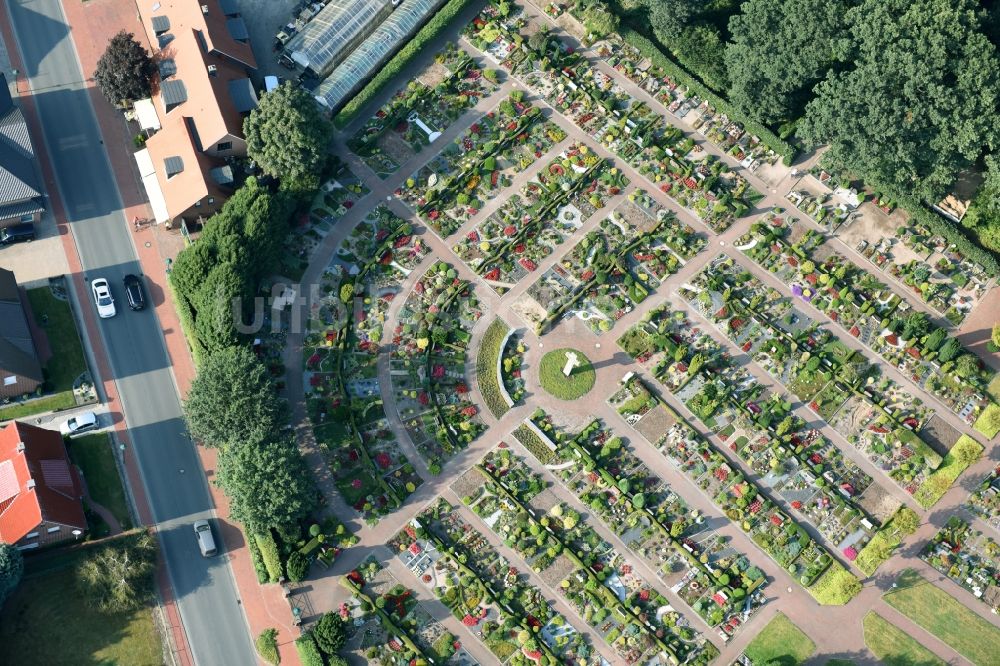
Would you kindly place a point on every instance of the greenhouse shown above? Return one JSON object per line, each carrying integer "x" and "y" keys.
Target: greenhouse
{"x": 349, "y": 75}
{"x": 339, "y": 27}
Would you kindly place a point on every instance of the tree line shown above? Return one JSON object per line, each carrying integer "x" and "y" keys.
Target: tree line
{"x": 903, "y": 93}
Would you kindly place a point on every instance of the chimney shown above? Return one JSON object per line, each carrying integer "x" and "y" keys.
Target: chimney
{"x": 20, "y": 447}
{"x": 204, "y": 9}
{"x": 30, "y": 484}
{"x": 212, "y": 69}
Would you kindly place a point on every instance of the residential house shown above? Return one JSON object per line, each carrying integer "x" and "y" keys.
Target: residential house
{"x": 202, "y": 96}
{"x": 20, "y": 369}
{"x": 40, "y": 492}
{"x": 20, "y": 190}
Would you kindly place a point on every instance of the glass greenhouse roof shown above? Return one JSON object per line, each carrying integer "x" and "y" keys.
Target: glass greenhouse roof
{"x": 338, "y": 25}
{"x": 360, "y": 64}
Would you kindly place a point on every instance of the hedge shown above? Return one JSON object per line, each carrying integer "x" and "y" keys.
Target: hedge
{"x": 486, "y": 367}
{"x": 647, "y": 48}
{"x": 257, "y": 559}
{"x": 835, "y": 587}
{"x": 267, "y": 646}
{"x": 882, "y": 546}
{"x": 535, "y": 445}
{"x": 985, "y": 423}
{"x": 424, "y": 39}
{"x": 941, "y": 479}
{"x": 272, "y": 558}
{"x": 309, "y": 654}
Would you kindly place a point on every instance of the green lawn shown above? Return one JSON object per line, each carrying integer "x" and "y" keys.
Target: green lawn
{"x": 47, "y": 622}
{"x": 780, "y": 643}
{"x": 945, "y": 617}
{"x": 965, "y": 451}
{"x": 67, "y": 362}
{"x": 984, "y": 423}
{"x": 49, "y": 403}
{"x": 93, "y": 455}
{"x": 579, "y": 382}
{"x": 893, "y": 646}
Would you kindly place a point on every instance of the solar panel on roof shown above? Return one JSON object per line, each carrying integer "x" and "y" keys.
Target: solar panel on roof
{"x": 173, "y": 92}
{"x": 161, "y": 24}
{"x": 173, "y": 165}
{"x": 167, "y": 68}
{"x": 55, "y": 474}
{"x": 237, "y": 29}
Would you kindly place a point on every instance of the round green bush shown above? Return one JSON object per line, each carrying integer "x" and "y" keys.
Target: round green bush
{"x": 551, "y": 377}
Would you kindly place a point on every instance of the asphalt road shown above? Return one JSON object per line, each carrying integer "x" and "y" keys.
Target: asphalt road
{"x": 175, "y": 483}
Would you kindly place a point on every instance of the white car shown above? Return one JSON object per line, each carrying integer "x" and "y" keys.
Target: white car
{"x": 206, "y": 544}
{"x": 79, "y": 423}
{"x": 103, "y": 299}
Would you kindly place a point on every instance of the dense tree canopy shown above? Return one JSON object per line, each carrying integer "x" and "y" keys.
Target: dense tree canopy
{"x": 288, "y": 137}
{"x": 983, "y": 216}
{"x": 267, "y": 483}
{"x": 119, "y": 576}
{"x": 687, "y": 28}
{"x": 233, "y": 400}
{"x": 780, "y": 49}
{"x": 125, "y": 71}
{"x": 240, "y": 245}
{"x": 11, "y": 570}
{"x": 919, "y": 103}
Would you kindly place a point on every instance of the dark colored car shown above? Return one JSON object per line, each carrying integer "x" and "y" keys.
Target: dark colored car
{"x": 133, "y": 292}
{"x": 18, "y": 233}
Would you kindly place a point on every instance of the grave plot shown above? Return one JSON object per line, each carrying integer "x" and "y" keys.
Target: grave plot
{"x": 927, "y": 265}
{"x": 655, "y": 523}
{"x": 968, "y": 557}
{"x": 454, "y": 186}
{"x": 418, "y": 114}
{"x": 343, "y": 394}
{"x": 985, "y": 502}
{"x": 393, "y": 626}
{"x": 428, "y": 362}
{"x": 484, "y": 590}
{"x": 529, "y": 226}
{"x": 597, "y": 580}
{"x": 717, "y": 128}
{"x": 662, "y": 342}
{"x": 339, "y": 194}
{"x": 615, "y": 266}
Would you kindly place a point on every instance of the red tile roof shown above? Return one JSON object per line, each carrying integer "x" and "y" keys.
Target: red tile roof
{"x": 56, "y": 494}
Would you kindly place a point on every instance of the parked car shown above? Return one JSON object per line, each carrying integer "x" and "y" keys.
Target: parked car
{"x": 133, "y": 292}
{"x": 80, "y": 423}
{"x": 206, "y": 542}
{"x": 103, "y": 299}
{"x": 18, "y": 233}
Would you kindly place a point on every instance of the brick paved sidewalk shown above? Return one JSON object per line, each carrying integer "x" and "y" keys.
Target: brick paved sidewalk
{"x": 92, "y": 24}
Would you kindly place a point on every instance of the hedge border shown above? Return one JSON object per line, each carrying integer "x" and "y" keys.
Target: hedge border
{"x": 488, "y": 361}
{"x": 647, "y": 48}
{"x": 952, "y": 233}
{"x": 423, "y": 39}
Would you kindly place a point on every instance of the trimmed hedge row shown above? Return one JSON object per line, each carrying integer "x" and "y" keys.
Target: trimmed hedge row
{"x": 952, "y": 233}
{"x": 486, "y": 367}
{"x": 647, "y": 48}
{"x": 309, "y": 654}
{"x": 271, "y": 556}
{"x": 257, "y": 559}
{"x": 424, "y": 39}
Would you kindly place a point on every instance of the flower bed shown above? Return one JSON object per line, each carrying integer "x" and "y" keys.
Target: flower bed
{"x": 428, "y": 363}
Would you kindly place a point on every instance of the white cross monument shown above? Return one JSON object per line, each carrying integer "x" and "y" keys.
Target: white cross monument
{"x": 572, "y": 361}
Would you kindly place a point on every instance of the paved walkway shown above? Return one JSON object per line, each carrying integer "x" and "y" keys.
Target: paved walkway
{"x": 784, "y": 594}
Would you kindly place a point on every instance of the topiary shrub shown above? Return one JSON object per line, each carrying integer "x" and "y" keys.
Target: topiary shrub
{"x": 309, "y": 654}
{"x": 272, "y": 558}
{"x": 297, "y": 567}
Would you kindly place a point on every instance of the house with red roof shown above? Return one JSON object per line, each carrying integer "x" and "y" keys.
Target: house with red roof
{"x": 40, "y": 492}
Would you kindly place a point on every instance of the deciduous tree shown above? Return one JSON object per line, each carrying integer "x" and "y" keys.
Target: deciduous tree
{"x": 780, "y": 49}
{"x": 125, "y": 70}
{"x": 119, "y": 576}
{"x": 233, "y": 400}
{"x": 268, "y": 483}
